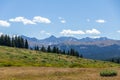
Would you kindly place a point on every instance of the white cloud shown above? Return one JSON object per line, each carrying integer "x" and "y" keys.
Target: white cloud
{"x": 4, "y": 23}
{"x": 22, "y": 19}
{"x": 94, "y": 36}
{"x": 93, "y": 31}
{"x": 44, "y": 32}
{"x": 36, "y": 19}
{"x": 100, "y": 21}
{"x": 1, "y": 33}
{"x": 41, "y": 19}
{"x": 79, "y": 32}
{"x": 63, "y": 21}
{"x": 70, "y": 32}
{"x": 118, "y": 31}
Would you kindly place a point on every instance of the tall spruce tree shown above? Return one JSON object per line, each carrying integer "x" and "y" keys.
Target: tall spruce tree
{"x": 43, "y": 49}
{"x": 36, "y": 48}
{"x": 54, "y": 49}
{"x": 63, "y": 52}
{"x": 57, "y": 50}
{"x": 26, "y": 44}
{"x": 49, "y": 49}
{"x": 16, "y": 41}
{"x": 12, "y": 42}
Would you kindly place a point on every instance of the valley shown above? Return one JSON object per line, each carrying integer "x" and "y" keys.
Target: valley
{"x": 101, "y": 48}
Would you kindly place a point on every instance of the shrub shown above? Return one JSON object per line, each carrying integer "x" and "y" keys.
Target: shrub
{"x": 108, "y": 73}
{"x": 75, "y": 65}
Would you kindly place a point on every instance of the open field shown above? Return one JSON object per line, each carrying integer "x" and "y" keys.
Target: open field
{"x": 23, "y": 64}
{"x": 48, "y": 73}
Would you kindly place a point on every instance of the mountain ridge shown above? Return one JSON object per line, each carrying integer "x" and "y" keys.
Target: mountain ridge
{"x": 52, "y": 40}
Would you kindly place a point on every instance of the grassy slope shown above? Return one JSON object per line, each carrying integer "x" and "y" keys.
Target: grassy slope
{"x": 22, "y": 57}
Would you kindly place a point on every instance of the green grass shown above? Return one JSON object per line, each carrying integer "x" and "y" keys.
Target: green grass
{"x": 106, "y": 73}
{"x": 23, "y": 57}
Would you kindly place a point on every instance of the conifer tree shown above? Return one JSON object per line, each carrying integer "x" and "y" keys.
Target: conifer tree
{"x": 43, "y": 49}
{"x": 36, "y": 48}
{"x": 54, "y": 49}
{"x": 26, "y": 44}
{"x": 12, "y": 42}
{"x": 57, "y": 50}
{"x": 16, "y": 41}
{"x": 48, "y": 49}
{"x": 63, "y": 52}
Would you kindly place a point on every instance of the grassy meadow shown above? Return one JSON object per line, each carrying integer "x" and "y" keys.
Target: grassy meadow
{"x": 23, "y": 64}
{"x": 23, "y": 57}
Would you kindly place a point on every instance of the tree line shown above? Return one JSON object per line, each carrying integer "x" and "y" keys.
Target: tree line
{"x": 56, "y": 50}
{"x": 17, "y": 41}
{"x": 115, "y": 60}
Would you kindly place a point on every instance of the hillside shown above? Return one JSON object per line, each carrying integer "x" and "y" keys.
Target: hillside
{"x": 23, "y": 57}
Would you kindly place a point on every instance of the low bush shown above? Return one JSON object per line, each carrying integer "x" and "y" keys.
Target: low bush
{"x": 108, "y": 73}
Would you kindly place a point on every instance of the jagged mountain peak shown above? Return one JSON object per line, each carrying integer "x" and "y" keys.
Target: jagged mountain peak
{"x": 52, "y": 36}
{"x": 88, "y": 39}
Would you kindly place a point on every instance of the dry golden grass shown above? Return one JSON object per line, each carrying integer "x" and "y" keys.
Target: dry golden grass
{"x": 49, "y": 73}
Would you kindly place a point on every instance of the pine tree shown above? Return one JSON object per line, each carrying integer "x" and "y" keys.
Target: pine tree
{"x": 57, "y": 50}
{"x": 7, "y": 40}
{"x": 16, "y": 41}
{"x": 48, "y": 49}
{"x": 12, "y": 42}
{"x": 81, "y": 56}
{"x": 77, "y": 54}
{"x": 26, "y": 44}
{"x": 63, "y": 52}
{"x": 43, "y": 49}
{"x": 22, "y": 41}
{"x": 36, "y": 48}
{"x": 2, "y": 40}
{"x": 54, "y": 49}
{"x": 72, "y": 52}
{"x": 68, "y": 53}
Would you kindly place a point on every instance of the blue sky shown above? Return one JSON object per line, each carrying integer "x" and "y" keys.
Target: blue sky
{"x": 77, "y": 18}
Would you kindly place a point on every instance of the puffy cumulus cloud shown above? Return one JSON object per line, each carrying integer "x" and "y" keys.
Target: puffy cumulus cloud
{"x": 4, "y": 23}
{"x": 93, "y": 31}
{"x": 35, "y": 20}
{"x": 22, "y": 19}
{"x": 100, "y": 21}
{"x": 44, "y": 32}
{"x": 79, "y": 32}
{"x": 71, "y": 32}
{"x": 41, "y": 19}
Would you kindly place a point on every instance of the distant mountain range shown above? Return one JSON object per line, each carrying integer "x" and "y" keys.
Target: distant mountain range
{"x": 94, "y": 48}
